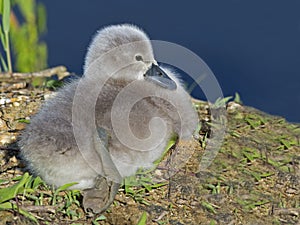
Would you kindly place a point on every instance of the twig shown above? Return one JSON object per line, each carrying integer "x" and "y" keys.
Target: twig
{"x": 39, "y": 208}
{"x": 287, "y": 211}
{"x": 164, "y": 213}
{"x": 60, "y": 71}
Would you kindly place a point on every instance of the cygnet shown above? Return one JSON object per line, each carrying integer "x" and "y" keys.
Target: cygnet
{"x": 159, "y": 107}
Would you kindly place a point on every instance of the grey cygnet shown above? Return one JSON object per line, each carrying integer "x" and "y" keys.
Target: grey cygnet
{"x": 48, "y": 143}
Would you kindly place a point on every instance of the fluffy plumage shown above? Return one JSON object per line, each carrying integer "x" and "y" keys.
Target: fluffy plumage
{"x": 48, "y": 143}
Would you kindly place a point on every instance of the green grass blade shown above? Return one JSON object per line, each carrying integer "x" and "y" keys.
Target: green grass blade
{"x": 6, "y": 15}
{"x": 65, "y": 187}
{"x": 25, "y": 213}
{"x": 61, "y": 188}
{"x": 208, "y": 206}
{"x": 11, "y": 192}
{"x": 3, "y": 63}
{"x": 237, "y": 98}
{"x": 41, "y": 18}
{"x": 221, "y": 102}
{"x": 37, "y": 182}
{"x": 6, "y": 27}
{"x": 6, "y": 206}
{"x": 170, "y": 144}
{"x": 2, "y": 36}
{"x": 1, "y": 7}
{"x": 27, "y": 9}
{"x": 143, "y": 219}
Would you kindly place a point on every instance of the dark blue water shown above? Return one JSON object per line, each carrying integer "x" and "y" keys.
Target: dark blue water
{"x": 253, "y": 47}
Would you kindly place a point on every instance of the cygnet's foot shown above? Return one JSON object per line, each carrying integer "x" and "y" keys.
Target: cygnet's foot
{"x": 99, "y": 198}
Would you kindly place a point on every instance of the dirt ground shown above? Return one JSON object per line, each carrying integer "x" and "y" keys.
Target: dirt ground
{"x": 254, "y": 179}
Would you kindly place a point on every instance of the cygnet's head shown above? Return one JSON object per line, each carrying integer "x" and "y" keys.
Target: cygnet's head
{"x": 128, "y": 52}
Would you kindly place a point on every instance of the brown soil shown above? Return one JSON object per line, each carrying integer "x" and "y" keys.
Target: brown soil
{"x": 255, "y": 178}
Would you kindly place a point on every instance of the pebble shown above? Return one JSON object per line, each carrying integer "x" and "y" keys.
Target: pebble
{"x": 20, "y": 126}
{"x": 291, "y": 191}
{"x": 4, "y": 101}
{"x": 181, "y": 202}
{"x": 22, "y": 97}
{"x": 10, "y": 171}
{"x": 13, "y": 159}
{"x": 7, "y": 139}
{"x": 158, "y": 172}
{"x": 21, "y": 92}
{"x": 3, "y": 125}
{"x": 16, "y": 104}
{"x": 130, "y": 201}
{"x": 50, "y": 95}
{"x": 194, "y": 203}
{"x": 13, "y": 100}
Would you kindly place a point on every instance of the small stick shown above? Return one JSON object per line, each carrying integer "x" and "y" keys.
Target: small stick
{"x": 39, "y": 208}
{"x": 160, "y": 216}
{"x": 61, "y": 72}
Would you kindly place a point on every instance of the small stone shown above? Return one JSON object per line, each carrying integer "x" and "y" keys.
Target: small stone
{"x": 291, "y": 191}
{"x": 7, "y": 139}
{"x": 13, "y": 138}
{"x": 20, "y": 126}
{"x": 16, "y": 104}
{"x": 10, "y": 171}
{"x": 4, "y": 139}
{"x": 2, "y": 101}
{"x": 3, "y": 125}
{"x": 194, "y": 203}
{"x": 13, "y": 159}
{"x": 21, "y": 92}
{"x": 158, "y": 173}
{"x": 13, "y": 100}
{"x": 181, "y": 202}
{"x": 130, "y": 201}
{"x": 22, "y": 97}
{"x": 48, "y": 96}
{"x": 19, "y": 85}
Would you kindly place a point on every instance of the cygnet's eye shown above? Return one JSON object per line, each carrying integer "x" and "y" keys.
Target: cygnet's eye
{"x": 138, "y": 58}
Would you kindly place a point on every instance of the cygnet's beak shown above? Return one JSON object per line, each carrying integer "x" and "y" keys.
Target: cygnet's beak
{"x": 156, "y": 75}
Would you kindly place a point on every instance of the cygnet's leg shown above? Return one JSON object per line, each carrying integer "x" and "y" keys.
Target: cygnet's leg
{"x": 101, "y": 196}
{"x": 103, "y": 135}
